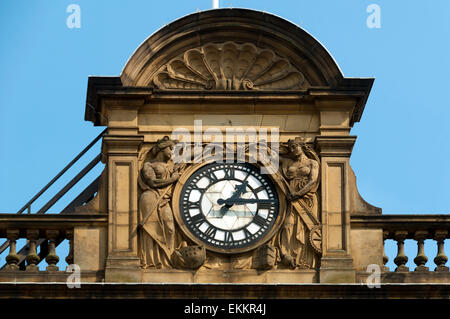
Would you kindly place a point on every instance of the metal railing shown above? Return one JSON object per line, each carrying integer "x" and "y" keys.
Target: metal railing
{"x": 79, "y": 200}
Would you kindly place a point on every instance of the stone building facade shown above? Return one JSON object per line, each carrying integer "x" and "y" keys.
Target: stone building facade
{"x": 155, "y": 219}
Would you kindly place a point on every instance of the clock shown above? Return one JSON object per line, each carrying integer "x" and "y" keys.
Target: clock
{"x": 228, "y": 207}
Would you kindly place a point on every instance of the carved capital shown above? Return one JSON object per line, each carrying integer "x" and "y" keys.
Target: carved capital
{"x": 32, "y": 234}
{"x": 440, "y": 235}
{"x": 52, "y": 234}
{"x": 400, "y": 236}
{"x": 120, "y": 145}
{"x": 12, "y": 234}
{"x": 69, "y": 234}
{"x": 335, "y": 146}
{"x": 420, "y": 235}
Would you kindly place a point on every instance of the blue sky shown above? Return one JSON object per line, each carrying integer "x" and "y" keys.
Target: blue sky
{"x": 402, "y": 152}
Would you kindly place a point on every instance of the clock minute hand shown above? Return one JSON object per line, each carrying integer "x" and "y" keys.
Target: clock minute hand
{"x": 240, "y": 189}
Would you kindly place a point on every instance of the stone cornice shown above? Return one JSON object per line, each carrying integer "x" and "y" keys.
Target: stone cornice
{"x": 102, "y": 88}
{"x": 408, "y": 222}
{"x": 42, "y": 223}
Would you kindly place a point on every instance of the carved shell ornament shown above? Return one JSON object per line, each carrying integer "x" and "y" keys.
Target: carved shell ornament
{"x": 229, "y": 66}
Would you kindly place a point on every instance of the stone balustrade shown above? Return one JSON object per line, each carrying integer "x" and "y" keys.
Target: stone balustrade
{"x": 46, "y": 231}
{"x": 420, "y": 259}
{"x": 416, "y": 227}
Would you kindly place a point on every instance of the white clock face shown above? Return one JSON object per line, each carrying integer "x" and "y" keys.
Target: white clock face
{"x": 229, "y": 205}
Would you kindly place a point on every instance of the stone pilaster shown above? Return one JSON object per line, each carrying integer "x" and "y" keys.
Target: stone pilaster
{"x": 337, "y": 262}
{"x": 122, "y": 263}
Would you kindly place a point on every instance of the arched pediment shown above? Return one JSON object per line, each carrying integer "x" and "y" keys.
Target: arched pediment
{"x": 231, "y": 49}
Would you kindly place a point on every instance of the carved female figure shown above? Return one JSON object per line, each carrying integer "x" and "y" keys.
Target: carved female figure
{"x": 301, "y": 173}
{"x": 157, "y": 227}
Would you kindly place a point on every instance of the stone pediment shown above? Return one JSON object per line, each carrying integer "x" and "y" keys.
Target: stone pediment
{"x": 227, "y": 54}
{"x": 229, "y": 66}
{"x": 229, "y": 50}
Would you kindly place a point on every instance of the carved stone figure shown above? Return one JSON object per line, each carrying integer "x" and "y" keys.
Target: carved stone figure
{"x": 157, "y": 227}
{"x": 299, "y": 165}
{"x": 160, "y": 244}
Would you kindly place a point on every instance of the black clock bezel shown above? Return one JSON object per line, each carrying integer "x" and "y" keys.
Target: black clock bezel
{"x": 182, "y": 192}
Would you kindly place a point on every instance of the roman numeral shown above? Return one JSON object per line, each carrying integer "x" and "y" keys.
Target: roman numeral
{"x": 229, "y": 172}
{"x": 259, "y": 189}
{"x": 247, "y": 233}
{"x": 228, "y": 237}
{"x": 198, "y": 219}
{"x": 265, "y": 205}
{"x": 258, "y": 220}
{"x": 211, "y": 231}
{"x": 212, "y": 177}
{"x": 195, "y": 187}
{"x": 193, "y": 205}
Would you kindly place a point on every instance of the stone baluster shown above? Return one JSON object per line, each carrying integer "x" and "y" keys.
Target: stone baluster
{"x": 69, "y": 236}
{"x": 401, "y": 259}
{"x": 52, "y": 259}
{"x": 385, "y": 258}
{"x": 32, "y": 257}
{"x": 441, "y": 258}
{"x": 12, "y": 259}
{"x": 421, "y": 259}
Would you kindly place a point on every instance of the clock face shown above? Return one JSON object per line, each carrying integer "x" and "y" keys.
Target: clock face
{"x": 229, "y": 205}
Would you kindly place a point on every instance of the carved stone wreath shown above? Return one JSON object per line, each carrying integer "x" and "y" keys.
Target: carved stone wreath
{"x": 228, "y": 66}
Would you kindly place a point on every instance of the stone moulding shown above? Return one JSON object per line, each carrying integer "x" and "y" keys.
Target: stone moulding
{"x": 115, "y": 291}
{"x": 229, "y": 66}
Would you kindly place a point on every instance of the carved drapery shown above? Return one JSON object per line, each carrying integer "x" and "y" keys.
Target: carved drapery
{"x": 299, "y": 240}
{"x": 161, "y": 244}
{"x": 229, "y": 66}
